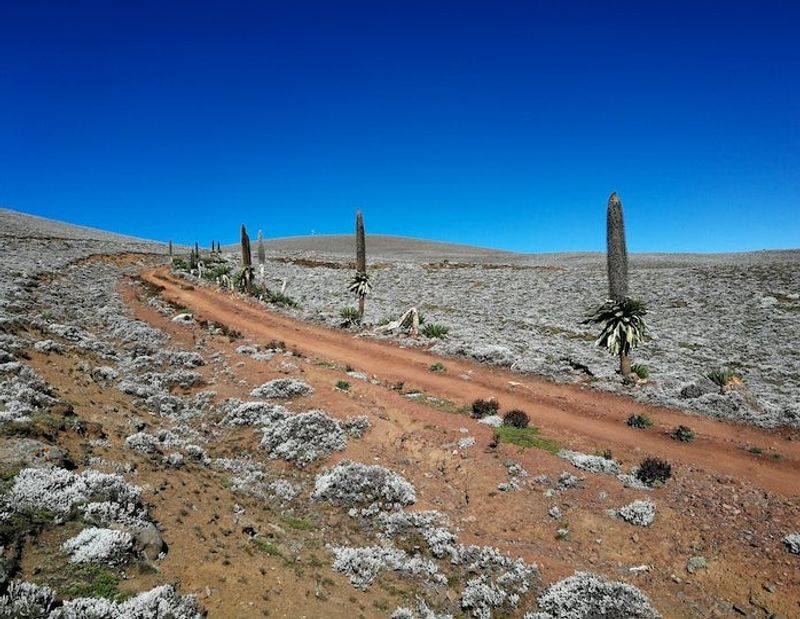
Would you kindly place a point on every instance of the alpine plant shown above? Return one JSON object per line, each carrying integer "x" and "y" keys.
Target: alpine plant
{"x": 624, "y": 328}
{"x": 360, "y": 285}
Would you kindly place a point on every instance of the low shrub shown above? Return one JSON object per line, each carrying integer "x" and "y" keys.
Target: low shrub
{"x": 516, "y": 418}
{"x": 437, "y": 367}
{"x": 684, "y": 434}
{"x": 484, "y": 408}
{"x": 180, "y": 264}
{"x": 723, "y": 377}
{"x": 638, "y": 513}
{"x": 654, "y": 471}
{"x": 641, "y": 370}
{"x": 639, "y": 421}
{"x": 342, "y": 385}
{"x": 434, "y": 330}
{"x": 279, "y": 298}
{"x": 350, "y": 316}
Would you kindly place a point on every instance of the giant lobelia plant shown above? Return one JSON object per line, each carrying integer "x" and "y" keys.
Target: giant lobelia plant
{"x": 246, "y": 277}
{"x": 622, "y": 318}
{"x": 360, "y": 285}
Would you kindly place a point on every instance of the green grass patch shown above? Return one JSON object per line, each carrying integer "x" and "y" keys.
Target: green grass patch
{"x": 92, "y": 581}
{"x": 526, "y": 437}
{"x": 271, "y": 549}
{"x": 434, "y": 330}
{"x": 342, "y": 385}
{"x": 301, "y": 524}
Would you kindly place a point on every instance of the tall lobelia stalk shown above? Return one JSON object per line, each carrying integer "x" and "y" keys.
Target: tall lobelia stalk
{"x": 617, "y": 253}
{"x": 622, "y": 318}
{"x": 617, "y": 265}
{"x": 247, "y": 261}
{"x": 170, "y": 249}
{"x": 262, "y": 254}
{"x": 360, "y": 285}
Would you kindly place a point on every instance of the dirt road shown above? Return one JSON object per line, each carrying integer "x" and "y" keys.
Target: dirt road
{"x": 578, "y": 417}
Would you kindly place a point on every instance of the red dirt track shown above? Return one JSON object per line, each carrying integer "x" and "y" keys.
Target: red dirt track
{"x": 580, "y": 418}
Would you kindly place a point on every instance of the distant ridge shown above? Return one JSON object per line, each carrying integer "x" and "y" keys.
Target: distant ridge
{"x": 387, "y": 247}
{"x": 58, "y": 229}
{"x": 380, "y": 245}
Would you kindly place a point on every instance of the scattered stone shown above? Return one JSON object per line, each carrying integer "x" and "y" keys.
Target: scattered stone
{"x": 792, "y": 543}
{"x": 184, "y": 319}
{"x": 696, "y": 563}
{"x": 18, "y": 453}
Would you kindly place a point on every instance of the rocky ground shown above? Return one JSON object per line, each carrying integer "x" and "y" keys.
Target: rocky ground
{"x": 157, "y": 464}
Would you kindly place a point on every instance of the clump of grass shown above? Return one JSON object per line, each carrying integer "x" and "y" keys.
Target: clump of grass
{"x": 605, "y": 454}
{"x": 279, "y": 298}
{"x": 684, "y": 434}
{"x": 350, "y": 316}
{"x": 180, "y": 264}
{"x": 437, "y": 367}
{"x": 723, "y": 377}
{"x": 271, "y": 549}
{"x": 516, "y": 418}
{"x": 641, "y": 370}
{"x": 434, "y": 330}
{"x": 757, "y": 451}
{"x": 654, "y": 471}
{"x": 639, "y": 421}
{"x": 300, "y": 524}
{"x": 92, "y": 581}
{"x": 526, "y": 437}
{"x": 484, "y": 408}
{"x": 342, "y": 385}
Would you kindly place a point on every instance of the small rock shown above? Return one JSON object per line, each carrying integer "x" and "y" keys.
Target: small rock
{"x": 27, "y": 452}
{"x": 696, "y": 563}
{"x": 147, "y": 540}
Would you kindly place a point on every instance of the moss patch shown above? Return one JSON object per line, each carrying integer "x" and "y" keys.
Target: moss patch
{"x": 526, "y": 437}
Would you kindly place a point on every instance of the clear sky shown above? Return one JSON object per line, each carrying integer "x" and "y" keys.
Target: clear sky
{"x": 502, "y": 124}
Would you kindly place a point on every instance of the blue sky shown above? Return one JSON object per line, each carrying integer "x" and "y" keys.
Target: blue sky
{"x": 502, "y": 124}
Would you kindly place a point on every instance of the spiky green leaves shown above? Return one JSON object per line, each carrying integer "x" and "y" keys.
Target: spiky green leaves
{"x": 624, "y": 327}
{"x": 360, "y": 285}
